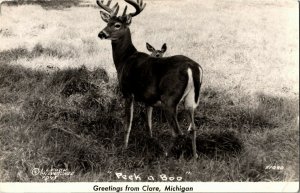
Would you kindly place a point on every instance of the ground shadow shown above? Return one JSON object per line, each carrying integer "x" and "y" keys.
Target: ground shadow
{"x": 212, "y": 145}
{"x": 215, "y": 113}
{"x": 74, "y": 113}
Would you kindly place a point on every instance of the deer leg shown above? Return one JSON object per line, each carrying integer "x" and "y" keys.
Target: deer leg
{"x": 129, "y": 117}
{"x": 149, "y": 119}
{"x": 190, "y": 127}
{"x": 193, "y": 128}
{"x": 171, "y": 115}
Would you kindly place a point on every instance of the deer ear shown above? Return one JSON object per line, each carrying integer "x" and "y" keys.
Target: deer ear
{"x": 128, "y": 19}
{"x": 105, "y": 16}
{"x": 149, "y": 47}
{"x": 164, "y": 47}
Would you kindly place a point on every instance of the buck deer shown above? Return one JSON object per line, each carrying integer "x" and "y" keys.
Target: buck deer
{"x": 156, "y": 53}
{"x": 154, "y": 81}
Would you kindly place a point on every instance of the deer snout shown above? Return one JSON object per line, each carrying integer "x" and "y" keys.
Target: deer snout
{"x": 157, "y": 55}
{"x": 103, "y": 35}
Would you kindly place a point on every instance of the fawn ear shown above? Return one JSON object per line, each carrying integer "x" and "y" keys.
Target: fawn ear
{"x": 164, "y": 47}
{"x": 105, "y": 16}
{"x": 128, "y": 19}
{"x": 149, "y": 47}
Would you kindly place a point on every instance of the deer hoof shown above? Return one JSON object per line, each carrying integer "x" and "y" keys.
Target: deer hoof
{"x": 196, "y": 156}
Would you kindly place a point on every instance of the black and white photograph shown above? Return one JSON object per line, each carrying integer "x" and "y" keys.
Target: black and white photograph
{"x": 149, "y": 95}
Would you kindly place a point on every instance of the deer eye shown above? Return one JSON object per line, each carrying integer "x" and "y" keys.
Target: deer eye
{"x": 117, "y": 25}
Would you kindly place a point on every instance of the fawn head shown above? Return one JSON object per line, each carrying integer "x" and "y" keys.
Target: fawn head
{"x": 157, "y": 53}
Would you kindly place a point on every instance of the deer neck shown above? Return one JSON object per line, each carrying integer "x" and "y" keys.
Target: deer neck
{"x": 122, "y": 50}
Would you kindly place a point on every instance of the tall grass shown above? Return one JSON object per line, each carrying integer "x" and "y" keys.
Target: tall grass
{"x": 60, "y": 105}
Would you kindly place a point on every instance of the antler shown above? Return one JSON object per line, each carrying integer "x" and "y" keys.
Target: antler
{"x": 113, "y": 12}
{"x": 139, "y": 6}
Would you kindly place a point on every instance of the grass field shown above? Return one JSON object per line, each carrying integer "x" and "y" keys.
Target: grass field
{"x": 60, "y": 106}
